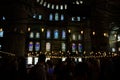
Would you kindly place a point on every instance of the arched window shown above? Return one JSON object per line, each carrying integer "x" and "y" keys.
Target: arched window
{"x": 48, "y": 35}
{"x": 56, "y": 34}
{"x": 80, "y": 47}
{"x": 48, "y": 46}
{"x": 31, "y": 35}
{"x": 63, "y": 47}
{"x": 37, "y": 35}
{"x": 51, "y": 17}
{"x": 56, "y": 17}
{"x": 30, "y": 46}
{"x": 37, "y": 46}
{"x": 63, "y": 34}
{"x": 73, "y": 47}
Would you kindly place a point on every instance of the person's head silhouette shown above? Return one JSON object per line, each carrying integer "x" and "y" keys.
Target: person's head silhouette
{"x": 41, "y": 58}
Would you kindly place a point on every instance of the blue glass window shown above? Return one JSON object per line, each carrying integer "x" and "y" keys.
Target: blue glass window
{"x": 30, "y": 46}
{"x": 56, "y": 34}
{"x": 63, "y": 34}
{"x": 37, "y": 46}
{"x": 56, "y": 17}
{"x": 50, "y": 17}
{"x": 48, "y": 34}
{"x": 73, "y": 47}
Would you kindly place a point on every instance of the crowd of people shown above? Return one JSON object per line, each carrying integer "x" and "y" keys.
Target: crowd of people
{"x": 89, "y": 69}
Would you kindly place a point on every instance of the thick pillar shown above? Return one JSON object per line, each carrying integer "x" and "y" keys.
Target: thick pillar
{"x": 87, "y": 40}
{"x": 15, "y": 29}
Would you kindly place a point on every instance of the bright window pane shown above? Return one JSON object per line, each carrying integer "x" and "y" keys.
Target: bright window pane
{"x": 50, "y": 17}
{"x": 56, "y": 17}
{"x": 73, "y": 47}
{"x": 63, "y": 47}
{"x": 48, "y": 46}
{"x": 30, "y": 46}
{"x": 1, "y": 33}
{"x": 80, "y": 47}
{"x": 37, "y": 46}
{"x": 48, "y": 34}
{"x": 31, "y": 34}
{"x": 63, "y": 34}
{"x": 56, "y": 34}
{"x": 37, "y": 35}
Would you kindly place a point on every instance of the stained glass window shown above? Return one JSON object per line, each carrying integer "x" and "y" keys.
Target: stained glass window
{"x": 48, "y": 35}
{"x": 63, "y": 34}
{"x": 73, "y": 47}
{"x": 37, "y": 46}
{"x": 30, "y": 46}
{"x": 56, "y": 34}
{"x": 56, "y": 17}
{"x": 51, "y": 17}
{"x": 63, "y": 47}
{"x": 62, "y": 17}
{"x": 80, "y": 47}
{"x": 1, "y": 33}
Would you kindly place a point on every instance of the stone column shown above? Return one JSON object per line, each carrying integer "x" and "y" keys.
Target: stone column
{"x": 15, "y": 29}
{"x": 87, "y": 40}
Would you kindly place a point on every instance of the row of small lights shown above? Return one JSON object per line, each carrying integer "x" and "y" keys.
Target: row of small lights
{"x": 92, "y": 54}
{"x": 53, "y": 6}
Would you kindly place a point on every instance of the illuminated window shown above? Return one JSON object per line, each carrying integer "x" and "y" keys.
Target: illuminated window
{"x": 48, "y": 46}
{"x": 73, "y": 47}
{"x": 61, "y": 7}
{"x": 57, "y": 7}
{"x": 65, "y": 6}
{"x": 35, "y": 60}
{"x": 41, "y": 2}
{"x": 63, "y": 47}
{"x": 50, "y": 17}
{"x": 56, "y": 17}
{"x": 78, "y": 18}
{"x": 73, "y": 18}
{"x": 40, "y": 17}
{"x": 79, "y": 37}
{"x": 48, "y": 34}
{"x": 113, "y": 50}
{"x": 45, "y": 3}
{"x": 62, "y": 17}
{"x": 48, "y": 6}
{"x": 37, "y": 35}
{"x": 0, "y": 46}
{"x": 80, "y": 47}
{"x": 74, "y": 37}
{"x": 53, "y": 6}
{"x": 56, "y": 34}
{"x": 34, "y": 16}
{"x": 1, "y": 32}
{"x": 30, "y": 46}
{"x": 29, "y": 60}
{"x": 37, "y": 46}
{"x": 3, "y": 18}
{"x": 31, "y": 34}
{"x": 118, "y": 37}
{"x": 63, "y": 34}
